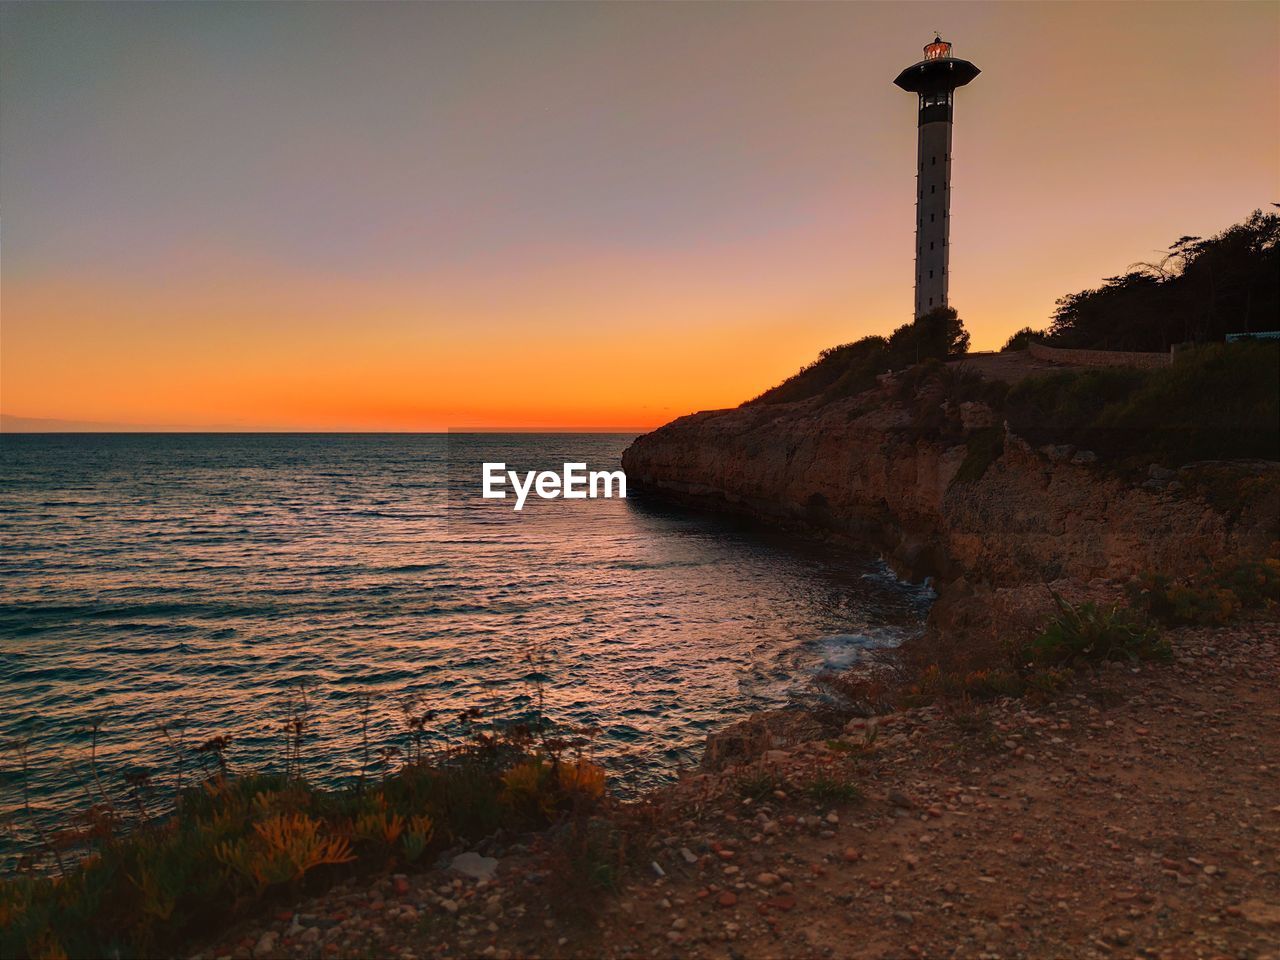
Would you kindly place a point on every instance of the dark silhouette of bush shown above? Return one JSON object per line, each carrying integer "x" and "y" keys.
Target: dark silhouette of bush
{"x": 1200, "y": 291}
{"x": 1216, "y": 402}
{"x": 1019, "y": 340}
{"x": 851, "y": 368}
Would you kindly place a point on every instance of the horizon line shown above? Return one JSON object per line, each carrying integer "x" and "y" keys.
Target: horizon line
{"x": 449, "y": 431}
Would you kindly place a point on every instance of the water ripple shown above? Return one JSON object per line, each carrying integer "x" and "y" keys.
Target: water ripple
{"x": 150, "y": 578}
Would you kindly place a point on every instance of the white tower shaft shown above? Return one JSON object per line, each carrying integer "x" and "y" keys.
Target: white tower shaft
{"x": 933, "y": 215}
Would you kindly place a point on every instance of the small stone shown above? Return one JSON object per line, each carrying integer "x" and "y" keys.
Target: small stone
{"x": 727, "y": 899}
{"x": 903, "y": 916}
{"x": 767, "y": 879}
{"x": 471, "y": 864}
{"x": 851, "y": 855}
{"x": 688, "y": 856}
{"x": 266, "y": 943}
{"x": 1262, "y": 913}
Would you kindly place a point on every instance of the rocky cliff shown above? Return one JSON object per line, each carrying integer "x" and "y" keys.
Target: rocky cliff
{"x": 944, "y": 489}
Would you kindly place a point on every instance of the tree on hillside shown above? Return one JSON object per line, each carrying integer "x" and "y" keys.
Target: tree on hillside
{"x": 939, "y": 334}
{"x": 853, "y": 367}
{"x": 1201, "y": 290}
{"x": 1020, "y": 339}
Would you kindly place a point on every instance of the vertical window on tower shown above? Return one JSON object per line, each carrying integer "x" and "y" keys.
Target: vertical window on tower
{"x": 931, "y": 218}
{"x": 930, "y": 244}
{"x": 930, "y": 274}
{"x": 933, "y": 188}
{"x": 933, "y": 161}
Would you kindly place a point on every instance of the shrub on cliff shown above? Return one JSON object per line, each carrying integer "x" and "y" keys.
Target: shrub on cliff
{"x": 862, "y": 358}
{"x": 1020, "y": 339}
{"x": 146, "y": 885}
{"x": 1217, "y": 402}
{"x": 1217, "y": 597}
{"x": 1089, "y": 633}
{"x": 851, "y": 368}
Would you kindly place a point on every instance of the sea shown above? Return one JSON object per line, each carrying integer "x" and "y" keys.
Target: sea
{"x": 167, "y": 589}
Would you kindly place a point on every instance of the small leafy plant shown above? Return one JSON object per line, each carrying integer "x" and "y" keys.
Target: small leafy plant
{"x": 283, "y": 849}
{"x": 1089, "y": 633}
{"x": 1216, "y": 597}
{"x": 829, "y": 791}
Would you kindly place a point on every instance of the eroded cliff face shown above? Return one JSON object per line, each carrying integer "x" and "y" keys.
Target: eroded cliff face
{"x": 864, "y": 468}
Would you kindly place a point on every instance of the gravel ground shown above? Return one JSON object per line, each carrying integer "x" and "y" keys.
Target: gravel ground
{"x": 1137, "y": 814}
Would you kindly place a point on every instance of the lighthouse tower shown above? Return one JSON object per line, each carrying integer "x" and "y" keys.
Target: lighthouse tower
{"x": 935, "y": 79}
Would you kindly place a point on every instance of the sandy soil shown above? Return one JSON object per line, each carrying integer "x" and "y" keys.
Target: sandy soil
{"x": 1137, "y": 814}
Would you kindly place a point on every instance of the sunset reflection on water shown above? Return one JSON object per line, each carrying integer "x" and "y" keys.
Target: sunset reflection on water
{"x": 151, "y": 578}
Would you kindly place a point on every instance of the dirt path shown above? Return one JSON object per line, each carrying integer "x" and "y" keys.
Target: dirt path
{"x": 1136, "y": 815}
{"x": 1011, "y": 367}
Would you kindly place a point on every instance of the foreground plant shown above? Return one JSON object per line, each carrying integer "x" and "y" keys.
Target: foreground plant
{"x": 233, "y": 843}
{"x": 1089, "y": 633}
{"x": 282, "y": 850}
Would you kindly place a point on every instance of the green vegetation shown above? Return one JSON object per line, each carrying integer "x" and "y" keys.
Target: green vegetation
{"x": 1020, "y": 339}
{"x": 233, "y": 844}
{"x": 826, "y": 790}
{"x": 1216, "y": 402}
{"x": 1091, "y": 634}
{"x": 984, "y": 448}
{"x": 758, "y": 783}
{"x": 851, "y": 368}
{"x": 1077, "y": 636}
{"x": 588, "y": 857}
{"x": 1217, "y": 597}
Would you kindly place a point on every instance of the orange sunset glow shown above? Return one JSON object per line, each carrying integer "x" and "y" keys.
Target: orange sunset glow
{"x": 423, "y": 217}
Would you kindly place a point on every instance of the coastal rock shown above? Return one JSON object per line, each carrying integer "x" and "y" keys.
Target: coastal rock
{"x": 758, "y": 735}
{"x": 473, "y": 865}
{"x": 976, "y": 416}
{"x": 854, "y": 468}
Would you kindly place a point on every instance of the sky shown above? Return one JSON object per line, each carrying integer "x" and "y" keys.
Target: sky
{"x": 288, "y": 216}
